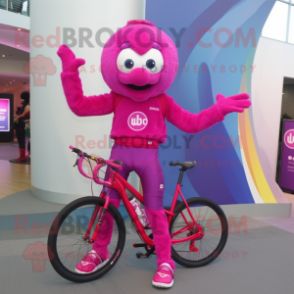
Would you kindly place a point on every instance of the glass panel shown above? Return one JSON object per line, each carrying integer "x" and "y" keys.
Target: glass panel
{"x": 291, "y": 26}
{"x": 3, "y": 4}
{"x": 276, "y": 24}
{"x": 19, "y": 6}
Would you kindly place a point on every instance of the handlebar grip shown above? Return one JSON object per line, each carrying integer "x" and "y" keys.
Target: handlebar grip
{"x": 75, "y": 150}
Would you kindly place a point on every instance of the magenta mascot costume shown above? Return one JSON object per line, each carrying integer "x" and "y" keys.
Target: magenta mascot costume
{"x": 139, "y": 63}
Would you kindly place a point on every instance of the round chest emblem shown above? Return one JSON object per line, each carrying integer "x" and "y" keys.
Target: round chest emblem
{"x": 137, "y": 121}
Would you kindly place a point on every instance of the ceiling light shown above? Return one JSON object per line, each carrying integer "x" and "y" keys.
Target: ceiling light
{"x": 3, "y": 55}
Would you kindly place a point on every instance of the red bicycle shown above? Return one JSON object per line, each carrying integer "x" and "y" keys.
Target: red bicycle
{"x": 198, "y": 226}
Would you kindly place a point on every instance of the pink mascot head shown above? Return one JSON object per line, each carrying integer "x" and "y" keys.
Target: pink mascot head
{"x": 139, "y": 61}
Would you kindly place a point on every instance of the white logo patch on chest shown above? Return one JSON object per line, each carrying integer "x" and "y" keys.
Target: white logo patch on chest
{"x": 137, "y": 121}
{"x": 154, "y": 108}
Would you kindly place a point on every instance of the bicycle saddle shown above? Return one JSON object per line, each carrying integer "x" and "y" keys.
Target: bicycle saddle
{"x": 185, "y": 165}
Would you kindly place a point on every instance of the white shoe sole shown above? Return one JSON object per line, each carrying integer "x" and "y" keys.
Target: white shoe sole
{"x": 162, "y": 285}
{"x": 94, "y": 270}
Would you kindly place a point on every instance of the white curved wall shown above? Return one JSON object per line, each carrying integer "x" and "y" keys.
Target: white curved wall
{"x": 53, "y": 126}
{"x": 274, "y": 61}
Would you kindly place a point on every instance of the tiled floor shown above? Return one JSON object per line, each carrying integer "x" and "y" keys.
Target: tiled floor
{"x": 13, "y": 177}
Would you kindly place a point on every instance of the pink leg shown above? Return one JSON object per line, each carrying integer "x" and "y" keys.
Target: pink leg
{"x": 161, "y": 236}
{"x": 105, "y": 233}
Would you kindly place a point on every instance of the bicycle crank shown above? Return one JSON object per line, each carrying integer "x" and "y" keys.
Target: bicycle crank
{"x": 148, "y": 253}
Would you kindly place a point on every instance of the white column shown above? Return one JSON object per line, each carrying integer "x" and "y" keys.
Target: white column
{"x": 53, "y": 126}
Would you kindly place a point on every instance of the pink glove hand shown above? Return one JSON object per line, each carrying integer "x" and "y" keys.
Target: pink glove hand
{"x": 69, "y": 61}
{"x": 236, "y": 103}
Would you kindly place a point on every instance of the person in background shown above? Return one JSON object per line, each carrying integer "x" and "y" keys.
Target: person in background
{"x": 28, "y": 132}
{"x": 22, "y": 114}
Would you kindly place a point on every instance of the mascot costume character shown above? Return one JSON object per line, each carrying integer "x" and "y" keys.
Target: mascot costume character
{"x": 139, "y": 63}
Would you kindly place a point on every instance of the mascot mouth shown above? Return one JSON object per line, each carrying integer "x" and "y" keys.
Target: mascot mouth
{"x": 138, "y": 88}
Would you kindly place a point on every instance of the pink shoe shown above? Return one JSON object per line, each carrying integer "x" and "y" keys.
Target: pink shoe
{"x": 164, "y": 276}
{"x": 90, "y": 263}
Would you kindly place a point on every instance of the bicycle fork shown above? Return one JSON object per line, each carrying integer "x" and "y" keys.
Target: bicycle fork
{"x": 101, "y": 211}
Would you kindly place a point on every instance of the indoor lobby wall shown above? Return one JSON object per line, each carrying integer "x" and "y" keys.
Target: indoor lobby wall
{"x": 14, "y": 19}
{"x": 12, "y": 67}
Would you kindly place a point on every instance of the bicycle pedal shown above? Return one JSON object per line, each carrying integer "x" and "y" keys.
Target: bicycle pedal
{"x": 136, "y": 245}
{"x": 141, "y": 255}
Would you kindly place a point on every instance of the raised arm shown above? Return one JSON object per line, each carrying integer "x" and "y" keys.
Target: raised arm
{"x": 72, "y": 85}
{"x": 194, "y": 123}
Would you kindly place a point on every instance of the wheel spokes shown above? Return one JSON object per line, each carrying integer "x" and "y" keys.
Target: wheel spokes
{"x": 211, "y": 226}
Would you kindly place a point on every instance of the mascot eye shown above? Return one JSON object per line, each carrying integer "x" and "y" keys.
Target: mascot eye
{"x": 153, "y": 61}
{"x": 150, "y": 63}
{"x": 129, "y": 63}
{"x": 127, "y": 60}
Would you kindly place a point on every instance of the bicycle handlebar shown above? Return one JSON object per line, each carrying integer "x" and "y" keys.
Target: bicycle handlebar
{"x": 100, "y": 162}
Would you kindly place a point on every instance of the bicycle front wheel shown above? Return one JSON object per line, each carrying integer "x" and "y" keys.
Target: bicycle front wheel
{"x": 214, "y": 224}
{"x": 66, "y": 244}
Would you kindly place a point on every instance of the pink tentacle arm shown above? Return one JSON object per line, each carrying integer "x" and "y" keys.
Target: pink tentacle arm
{"x": 79, "y": 104}
{"x": 194, "y": 123}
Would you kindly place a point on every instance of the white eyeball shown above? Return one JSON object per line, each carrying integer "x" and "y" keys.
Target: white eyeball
{"x": 153, "y": 61}
{"x": 127, "y": 60}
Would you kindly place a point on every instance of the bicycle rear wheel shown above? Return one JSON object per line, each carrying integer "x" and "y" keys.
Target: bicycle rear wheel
{"x": 66, "y": 245}
{"x": 214, "y": 224}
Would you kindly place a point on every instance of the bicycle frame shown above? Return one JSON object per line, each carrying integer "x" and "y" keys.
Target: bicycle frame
{"x": 120, "y": 184}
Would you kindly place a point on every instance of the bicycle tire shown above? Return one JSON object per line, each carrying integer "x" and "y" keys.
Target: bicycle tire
{"x": 193, "y": 202}
{"x": 54, "y": 230}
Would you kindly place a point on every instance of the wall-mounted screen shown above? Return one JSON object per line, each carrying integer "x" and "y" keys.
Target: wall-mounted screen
{"x": 287, "y": 158}
{"x": 4, "y": 115}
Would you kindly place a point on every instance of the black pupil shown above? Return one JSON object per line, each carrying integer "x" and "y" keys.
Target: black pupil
{"x": 150, "y": 63}
{"x": 129, "y": 63}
